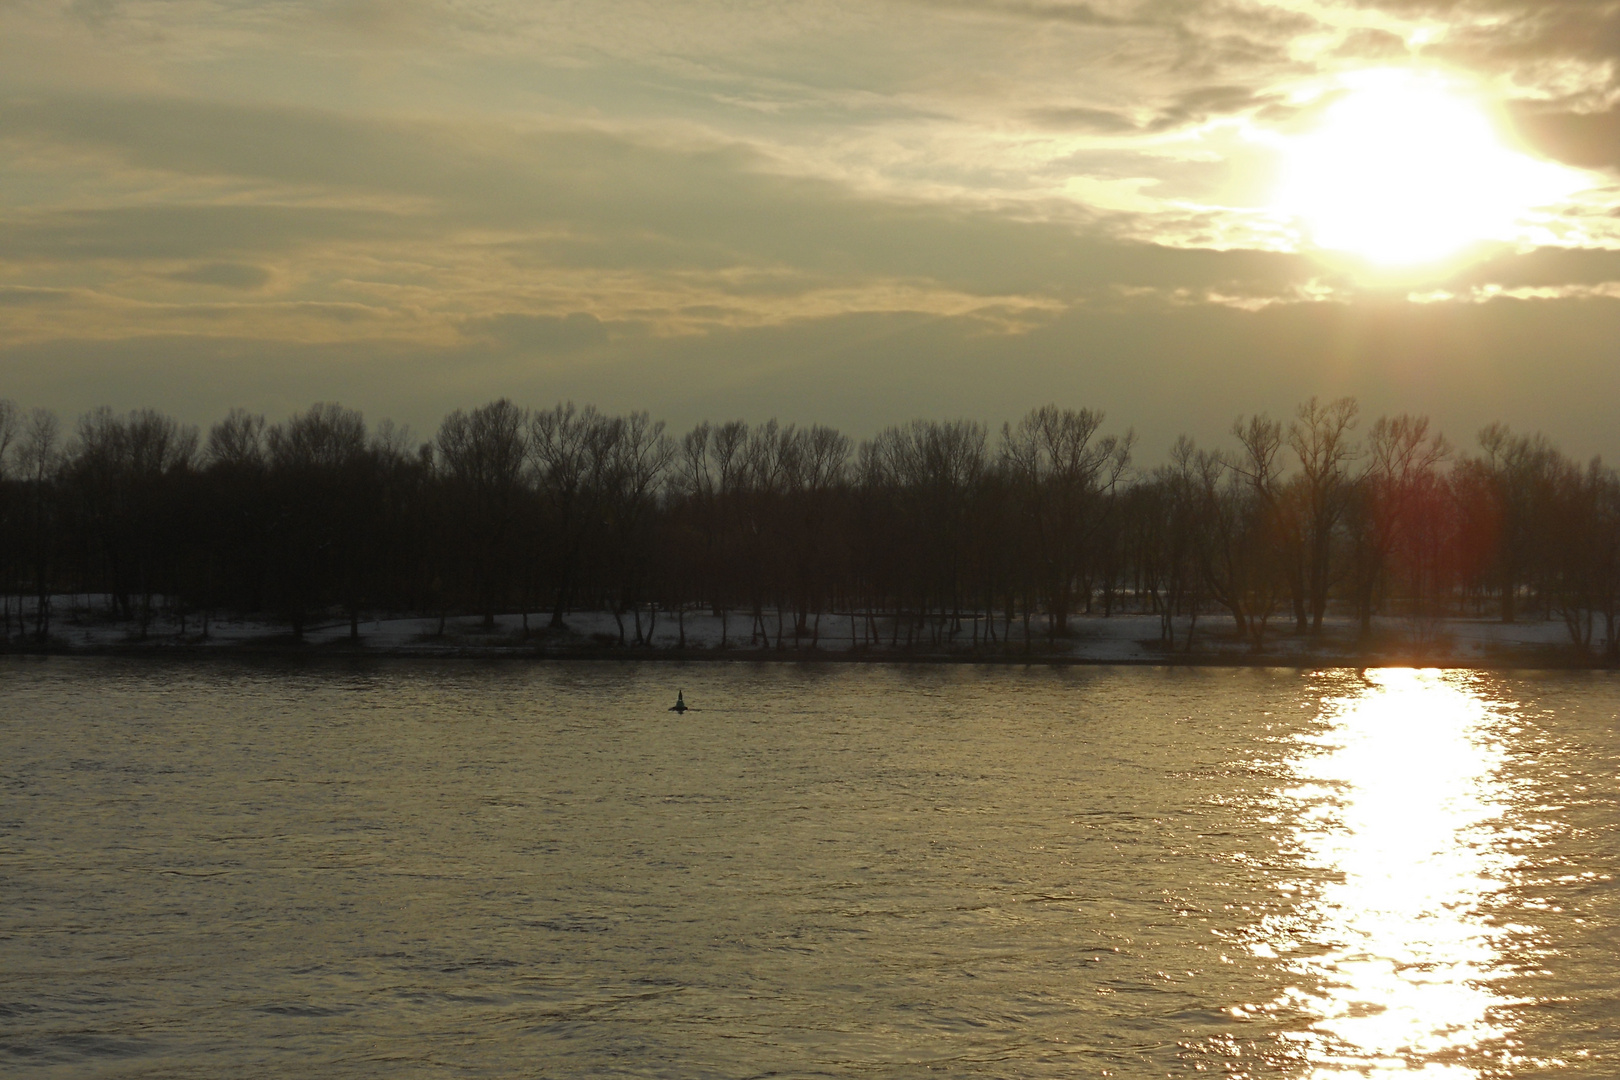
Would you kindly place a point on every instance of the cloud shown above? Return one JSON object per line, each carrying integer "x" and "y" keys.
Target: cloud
{"x": 1544, "y": 268}
{"x": 872, "y": 210}
{"x": 20, "y": 295}
{"x": 226, "y": 275}
{"x": 183, "y": 232}
{"x": 1078, "y": 13}
{"x": 93, "y": 12}
{"x": 571, "y": 198}
{"x": 1586, "y": 139}
{"x": 543, "y": 333}
{"x": 1082, "y": 118}
{"x": 1525, "y": 29}
{"x": 195, "y": 137}
{"x": 577, "y": 238}
{"x": 1184, "y": 109}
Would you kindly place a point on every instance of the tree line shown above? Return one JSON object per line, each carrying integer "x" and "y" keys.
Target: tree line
{"x": 929, "y": 533}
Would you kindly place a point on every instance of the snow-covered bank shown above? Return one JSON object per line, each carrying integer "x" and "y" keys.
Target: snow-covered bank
{"x": 1117, "y": 639}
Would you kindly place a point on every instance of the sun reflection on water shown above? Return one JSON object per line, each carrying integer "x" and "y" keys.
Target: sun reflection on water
{"x": 1401, "y": 801}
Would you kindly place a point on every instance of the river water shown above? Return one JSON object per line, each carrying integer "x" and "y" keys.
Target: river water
{"x": 404, "y": 869}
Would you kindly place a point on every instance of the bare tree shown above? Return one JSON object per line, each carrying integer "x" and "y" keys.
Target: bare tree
{"x": 1173, "y": 523}
{"x": 1517, "y": 472}
{"x": 1252, "y": 557}
{"x": 570, "y": 451}
{"x": 1583, "y": 553}
{"x": 314, "y": 516}
{"x": 39, "y": 455}
{"x": 484, "y": 455}
{"x": 10, "y": 421}
{"x": 642, "y": 453}
{"x": 1065, "y": 473}
{"x": 1320, "y": 437}
{"x": 321, "y": 529}
{"x": 237, "y": 441}
{"x": 1389, "y": 501}
{"x": 936, "y": 469}
{"x": 325, "y": 435}
{"x": 119, "y": 472}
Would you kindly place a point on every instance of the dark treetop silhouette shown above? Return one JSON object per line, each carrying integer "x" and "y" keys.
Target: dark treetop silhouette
{"x": 931, "y": 532}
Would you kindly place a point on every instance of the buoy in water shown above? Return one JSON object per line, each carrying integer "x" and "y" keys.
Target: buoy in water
{"x": 680, "y": 702}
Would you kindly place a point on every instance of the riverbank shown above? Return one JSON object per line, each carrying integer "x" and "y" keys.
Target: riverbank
{"x": 1118, "y": 639}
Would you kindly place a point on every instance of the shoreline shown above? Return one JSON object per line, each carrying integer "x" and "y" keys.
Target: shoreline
{"x": 1120, "y": 639}
{"x": 165, "y": 651}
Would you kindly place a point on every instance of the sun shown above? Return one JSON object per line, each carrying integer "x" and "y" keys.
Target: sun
{"x": 1406, "y": 168}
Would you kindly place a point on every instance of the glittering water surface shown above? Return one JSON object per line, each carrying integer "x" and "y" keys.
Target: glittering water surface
{"x": 404, "y": 869}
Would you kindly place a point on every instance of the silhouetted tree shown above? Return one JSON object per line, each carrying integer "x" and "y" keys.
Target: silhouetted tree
{"x": 571, "y": 452}
{"x": 1517, "y": 475}
{"x": 322, "y": 498}
{"x": 1320, "y": 438}
{"x": 39, "y": 458}
{"x": 924, "y": 535}
{"x": 1065, "y": 473}
{"x": 10, "y": 524}
{"x": 124, "y": 475}
{"x": 1252, "y": 558}
{"x": 1386, "y": 513}
{"x": 484, "y": 454}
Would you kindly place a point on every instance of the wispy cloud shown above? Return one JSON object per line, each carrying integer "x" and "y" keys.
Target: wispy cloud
{"x": 594, "y": 184}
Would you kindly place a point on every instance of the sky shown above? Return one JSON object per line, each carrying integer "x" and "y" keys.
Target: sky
{"x": 852, "y": 213}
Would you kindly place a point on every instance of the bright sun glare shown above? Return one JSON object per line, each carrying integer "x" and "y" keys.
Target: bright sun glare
{"x": 1407, "y": 168}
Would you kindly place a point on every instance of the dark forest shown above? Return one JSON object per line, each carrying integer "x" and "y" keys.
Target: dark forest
{"x": 936, "y": 533}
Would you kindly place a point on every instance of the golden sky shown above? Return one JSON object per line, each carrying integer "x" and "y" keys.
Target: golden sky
{"x": 842, "y": 212}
